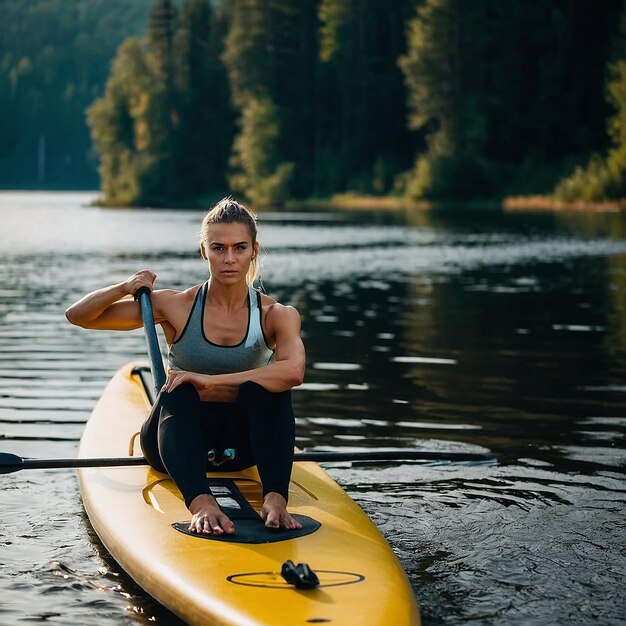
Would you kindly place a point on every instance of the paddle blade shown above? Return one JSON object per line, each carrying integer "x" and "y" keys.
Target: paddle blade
{"x": 10, "y": 463}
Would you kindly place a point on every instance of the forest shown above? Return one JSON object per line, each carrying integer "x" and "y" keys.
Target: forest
{"x": 55, "y": 57}
{"x": 168, "y": 103}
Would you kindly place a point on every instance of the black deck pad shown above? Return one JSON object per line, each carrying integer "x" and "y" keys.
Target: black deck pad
{"x": 249, "y": 527}
{"x": 254, "y": 531}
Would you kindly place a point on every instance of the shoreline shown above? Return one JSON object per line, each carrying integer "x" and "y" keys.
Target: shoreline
{"x": 550, "y": 204}
{"x": 536, "y": 203}
{"x": 366, "y": 203}
{"x": 354, "y": 202}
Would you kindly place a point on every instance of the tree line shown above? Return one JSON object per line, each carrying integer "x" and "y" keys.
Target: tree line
{"x": 434, "y": 99}
{"x": 54, "y": 62}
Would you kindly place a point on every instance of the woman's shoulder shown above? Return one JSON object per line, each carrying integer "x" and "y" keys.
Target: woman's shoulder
{"x": 275, "y": 311}
{"x": 175, "y": 298}
{"x": 169, "y": 294}
{"x": 266, "y": 301}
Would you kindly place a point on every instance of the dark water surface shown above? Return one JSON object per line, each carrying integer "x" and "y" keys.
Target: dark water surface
{"x": 472, "y": 332}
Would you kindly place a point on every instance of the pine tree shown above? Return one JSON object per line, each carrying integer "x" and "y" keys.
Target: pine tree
{"x": 445, "y": 82}
{"x": 259, "y": 172}
{"x": 206, "y": 118}
{"x": 164, "y": 117}
{"x": 121, "y": 129}
{"x": 269, "y": 57}
{"x": 503, "y": 92}
{"x": 604, "y": 178}
{"x": 361, "y": 135}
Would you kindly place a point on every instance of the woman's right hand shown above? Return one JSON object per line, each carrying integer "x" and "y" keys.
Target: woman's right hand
{"x": 108, "y": 308}
{"x": 201, "y": 382}
{"x": 142, "y": 278}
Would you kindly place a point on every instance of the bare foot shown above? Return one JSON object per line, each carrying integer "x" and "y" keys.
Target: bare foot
{"x": 208, "y": 518}
{"x": 274, "y": 512}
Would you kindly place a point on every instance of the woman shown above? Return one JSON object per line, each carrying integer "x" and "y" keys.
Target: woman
{"x": 222, "y": 392}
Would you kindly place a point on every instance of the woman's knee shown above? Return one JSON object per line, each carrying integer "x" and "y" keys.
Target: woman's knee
{"x": 148, "y": 440}
{"x": 167, "y": 405}
{"x": 155, "y": 461}
{"x": 183, "y": 398}
{"x": 253, "y": 394}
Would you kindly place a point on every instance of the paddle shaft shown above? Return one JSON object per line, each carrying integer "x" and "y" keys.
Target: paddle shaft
{"x": 12, "y": 463}
{"x": 152, "y": 341}
{"x": 390, "y": 455}
{"x": 69, "y": 463}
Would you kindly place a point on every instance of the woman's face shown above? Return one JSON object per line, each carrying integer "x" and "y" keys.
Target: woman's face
{"x": 228, "y": 249}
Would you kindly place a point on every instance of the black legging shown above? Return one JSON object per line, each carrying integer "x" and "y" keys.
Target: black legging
{"x": 181, "y": 429}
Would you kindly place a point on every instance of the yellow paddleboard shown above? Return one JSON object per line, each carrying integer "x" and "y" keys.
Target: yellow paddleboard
{"x": 135, "y": 510}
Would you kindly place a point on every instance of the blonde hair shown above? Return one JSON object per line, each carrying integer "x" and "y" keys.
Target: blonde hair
{"x": 228, "y": 211}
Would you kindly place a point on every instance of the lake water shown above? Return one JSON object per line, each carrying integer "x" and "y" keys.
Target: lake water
{"x": 474, "y": 331}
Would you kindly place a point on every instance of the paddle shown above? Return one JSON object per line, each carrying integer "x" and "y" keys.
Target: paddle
{"x": 10, "y": 463}
{"x": 154, "y": 352}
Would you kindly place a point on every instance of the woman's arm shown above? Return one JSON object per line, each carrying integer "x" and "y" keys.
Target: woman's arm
{"x": 108, "y": 308}
{"x": 285, "y": 372}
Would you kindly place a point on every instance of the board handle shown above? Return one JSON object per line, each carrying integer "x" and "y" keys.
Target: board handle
{"x": 301, "y": 576}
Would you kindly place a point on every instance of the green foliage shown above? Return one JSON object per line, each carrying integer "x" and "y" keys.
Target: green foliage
{"x": 496, "y": 86}
{"x": 440, "y": 99}
{"x": 246, "y": 55}
{"x": 616, "y": 88}
{"x": 259, "y": 173}
{"x": 54, "y": 59}
{"x": 206, "y": 119}
{"x": 160, "y": 39}
{"x": 429, "y": 64}
{"x": 603, "y": 178}
{"x": 162, "y": 124}
{"x": 586, "y": 184}
{"x": 448, "y": 71}
{"x": 270, "y": 56}
{"x": 334, "y": 17}
{"x": 360, "y": 97}
{"x": 121, "y": 125}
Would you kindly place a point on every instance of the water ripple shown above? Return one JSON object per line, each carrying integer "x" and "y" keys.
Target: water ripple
{"x": 503, "y": 334}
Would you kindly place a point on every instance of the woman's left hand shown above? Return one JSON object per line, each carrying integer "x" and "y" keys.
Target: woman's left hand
{"x": 179, "y": 377}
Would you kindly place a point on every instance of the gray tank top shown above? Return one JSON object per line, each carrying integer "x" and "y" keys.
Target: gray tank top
{"x": 193, "y": 352}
